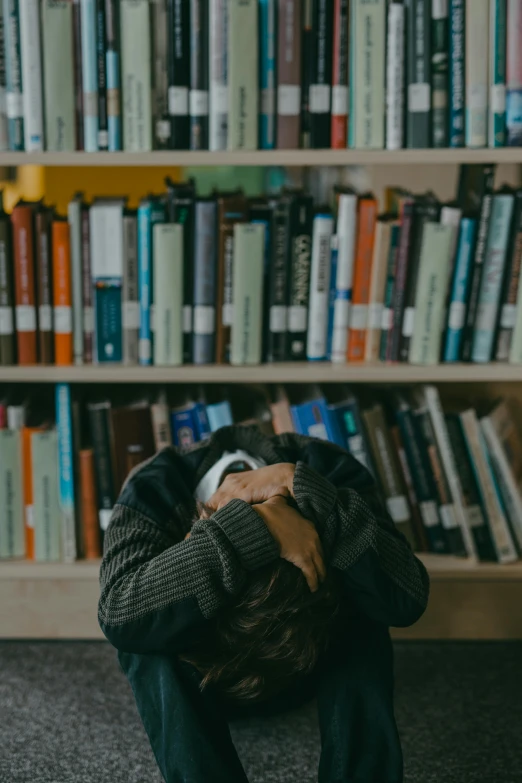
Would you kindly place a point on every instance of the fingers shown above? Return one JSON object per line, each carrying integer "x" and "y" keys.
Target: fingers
{"x": 310, "y": 573}
{"x": 319, "y": 566}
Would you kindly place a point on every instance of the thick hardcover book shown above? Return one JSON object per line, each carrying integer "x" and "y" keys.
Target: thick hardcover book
{"x": 418, "y": 58}
{"x": 199, "y": 75}
{"x": 59, "y": 84}
{"x": 355, "y": 439}
{"x": 180, "y": 206}
{"x": 262, "y": 211}
{"x": 389, "y": 290}
{"x": 7, "y": 327}
{"x": 160, "y": 79}
{"x": 77, "y": 76}
{"x": 475, "y": 181}
{"x": 87, "y": 288}
{"x": 514, "y": 74}
{"x": 288, "y": 74}
{"x": 243, "y": 75}
{"x": 457, "y": 101}
{"x": 44, "y": 286}
{"x": 130, "y": 427}
{"x": 24, "y": 283}
{"x": 136, "y": 75}
{"x": 491, "y": 284}
{"x": 4, "y": 137}
{"x": 91, "y": 543}
{"x": 311, "y": 418}
{"x": 62, "y": 293}
{"x": 12, "y": 537}
{"x": 395, "y": 74}
{"x": 204, "y": 282}
{"x": 346, "y": 231}
{"x": 167, "y": 240}
{"x": 90, "y": 74}
{"x": 477, "y": 27}
{"x": 66, "y": 493}
{"x": 74, "y": 213}
{"x": 317, "y": 337}
{"x": 301, "y": 221}
{"x": 367, "y": 74}
{"x": 278, "y": 278}
{"x": 31, "y": 55}
{"x": 307, "y": 68}
{"x": 378, "y": 276}
{"x": 320, "y": 101}
{"x": 367, "y": 218}
{"x": 440, "y": 72}
{"x": 47, "y": 519}
{"x": 231, "y": 209}
{"x": 101, "y": 73}
{"x": 13, "y": 63}
{"x": 248, "y": 293}
{"x": 112, "y": 60}
{"x": 339, "y": 134}
{"x": 267, "y": 73}
{"x": 497, "y": 73}
{"x": 101, "y": 440}
{"x": 509, "y": 298}
{"x": 150, "y": 211}
{"x": 459, "y": 287}
{"x": 179, "y": 73}
{"x": 130, "y": 292}
{"x": 218, "y": 81}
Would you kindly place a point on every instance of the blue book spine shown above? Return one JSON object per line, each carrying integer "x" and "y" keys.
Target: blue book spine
{"x": 202, "y": 421}
{"x": 184, "y": 429}
{"x": 514, "y": 117}
{"x": 267, "y": 41}
{"x": 13, "y": 67}
{"x": 354, "y": 438}
{"x": 219, "y": 415}
{"x": 309, "y": 419}
{"x": 459, "y": 288}
{"x": 89, "y": 75}
{"x": 113, "y": 93}
{"x": 334, "y": 427}
{"x": 491, "y": 283}
{"x": 66, "y": 469}
{"x": 497, "y": 55}
{"x": 333, "y": 295}
{"x": 108, "y": 323}
{"x": 457, "y": 81}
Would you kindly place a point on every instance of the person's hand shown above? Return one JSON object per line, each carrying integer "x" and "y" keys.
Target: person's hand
{"x": 254, "y": 486}
{"x": 297, "y": 538}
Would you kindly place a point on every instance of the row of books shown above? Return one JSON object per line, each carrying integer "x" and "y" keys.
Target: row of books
{"x": 227, "y": 279}
{"x": 246, "y": 74}
{"x": 451, "y": 480}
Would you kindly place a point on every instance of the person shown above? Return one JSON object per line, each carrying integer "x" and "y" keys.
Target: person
{"x": 281, "y": 587}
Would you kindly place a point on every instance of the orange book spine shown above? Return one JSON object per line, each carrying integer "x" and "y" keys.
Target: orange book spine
{"x": 367, "y": 216}
{"x": 339, "y": 127}
{"x": 63, "y": 335}
{"x": 27, "y": 470}
{"x": 89, "y": 505}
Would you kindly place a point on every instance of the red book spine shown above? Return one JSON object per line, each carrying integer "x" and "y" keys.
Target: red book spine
{"x": 25, "y": 295}
{"x": 339, "y": 139}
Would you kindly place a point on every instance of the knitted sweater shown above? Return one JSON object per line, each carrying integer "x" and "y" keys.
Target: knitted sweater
{"x": 158, "y": 591}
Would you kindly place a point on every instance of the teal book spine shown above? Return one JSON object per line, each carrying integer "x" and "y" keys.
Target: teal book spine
{"x": 13, "y": 66}
{"x": 149, "y": 213}
{"x": 439, "y": 72}
{"x": 491, "y": 284}
{"x": 89, "y": 75}
{"x": 459, "y": 288}
{"x": 108, "y": 327}
{"x": 497, "y": 73}
{"x": 66, "y": 470}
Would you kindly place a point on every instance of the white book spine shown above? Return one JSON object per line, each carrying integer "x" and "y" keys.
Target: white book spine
{"x": 46, "y": 505}
{"x": 31, "y": 75}
{"x": 395, "y": 77}
{"x": 346, "y": 234}
{"x": 167, "y": 243}
{"x": 477, "y": 76}
{"x": 249, "y": 249}
{"x": 317, "y": 339}
{"x": 74, "y": 214}
{"x": 509, "y": 489}
{"x": 136, "y": 75}
{"x": 12, "y": 534}
{"x": 4, "y": 138}
{"x": 218, "y": 76}
{"x": 451, "y": 216}
{"x": 243, "y": 79}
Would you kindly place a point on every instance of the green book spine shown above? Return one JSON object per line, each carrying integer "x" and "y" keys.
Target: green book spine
{"x": 249, "y": 249}
{"x": 439, "y": 72}
{"x": 497, "y": 73}
{"x": 243, "y": 75}
{"x": 57, "y": 25}
{"x": 167, "y": 243}
{"x": 46, "y": 507}
{"x": 12, "y": 541}
{"x": 136, "y": 75}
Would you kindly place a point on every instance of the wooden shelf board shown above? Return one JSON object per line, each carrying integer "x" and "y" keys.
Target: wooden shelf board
{"x": 265, "y": 157}
{"x": 298, "y": 372}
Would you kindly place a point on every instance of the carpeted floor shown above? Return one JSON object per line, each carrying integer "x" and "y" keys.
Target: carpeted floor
{"x": 67, "y": 716}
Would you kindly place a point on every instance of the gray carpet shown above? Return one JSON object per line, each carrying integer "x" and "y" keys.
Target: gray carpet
{"x": 67, "y": 716}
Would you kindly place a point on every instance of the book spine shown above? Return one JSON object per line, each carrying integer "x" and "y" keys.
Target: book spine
{"x": 346, "y": 238}
{"x": 316, "y": 345}
{"x": 395, "y": 77}
{"x": 145, "y": 282}
{"x": 267, "y": 74}
{"x": 159, "y": 414}
{"x": 514, "y": 75}
{"x": 178, "y": 14}
{"x": 71, "y": 35}
{"x": 278, "y": 284}
{"x": 87, "y": 298}
{"x": 75, "y": 233}
{"x": 62, "y": 293}
{"x": 160, "y": 42}
{"x": 299, "y": 283}
{"x": 14, "y": 76}
{"x": 59, "y": 71}
{"x": 7, "y": 335}
{"x": 112, "y": 67}
{"x": 307, "y": 69}
{"x": 367, "y": 74}
{"x": 106, "y": 245}
{"x": 12, "y": 534}
{"x": 248, "y": 293}
{"x": 439, "y": 71}
{"x": 377, "y": 286}
{"x": 389, "y": 290}
{"x": 339, "y": 135}
{"x": 457, "y": 79}
{"x": 25, "y": 298}
{"x": 168, "y": 293}
{"x": 31, "y": 75}
{"x": 418, "y": 117}
{"x": 459, "y": 287}
{"x": 321, "y": 87}
{"x": 497, "y": 73}
{"x": 421, "y": 541}
{"x": 334, "y": 252}
{"x": 229, "y": 213}
{"x": 406, "y": 222}
{"x": 198, "y": 98}
{"x": 44, "y": 289}
{"x": 509, "y": 491}
{"x": 136, "y": 75}
{"x": 46, "y": 511}
{"x": 131, "y": 300}
{"x": 184, "y": 427}
{"x": 243, "y": 76}
{"x": 4, "y": 133}
{"x": 494, "y": 261}
{"x": 89, "y": 75}
{"x": 218, "y": 77}
{"x": 367, "y": 217}
{"x": 477, "y": 33}
{"x": 99, "y": 427}
{"x": 66, "y": 470}
{"x": 510, "y": 287}
{"x": 101, "y": 76}
{"x": 288, "y": 74}
{"x": 89, "y": 505}
{"x": 204, "y": 296}
{"x": 219, "y": 415}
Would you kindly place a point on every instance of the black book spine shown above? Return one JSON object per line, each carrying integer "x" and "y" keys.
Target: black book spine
{"x": 307, "y": 70}
{"x": 418, "y": 63}
{"x": 264, "y": 213}
{"x": 301, "y": 220}
{"x": 7, "y": 321}
{"x": 278, "y": 283}
{"x": 475, "y": 180}
{"x": 179, "y": 73}
{"x": 101, "y": 65}
{"x": 320, "y": 104}
{"x": 78, "y": 84}
{"x": 403, "y": 255}
{"x": 509, "y": 296}
{"x": 198, "y": 99}
{"x": 99, "y": 426}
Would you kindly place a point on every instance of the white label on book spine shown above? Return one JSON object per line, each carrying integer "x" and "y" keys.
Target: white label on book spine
{"x": 478, "y": 97}
{"x": 104, "y": 515}
{"x": 498, "y": 98}
{"x": 318, "y": 431}
{"x": 439, "y": 9}
{"x": 88, "y": 320}
{"x": 178, "y": 101}
{"x": 144, "y": 350}
{"x": 375, "y": 315}
{"x": 63, "y": 319}
{"x": 297, "y": 317}
{"x": 15, "y": 105}
{"x": 130, "y": 315}
{"x": 339, "y": 100}
{"x": 268, "y": 101}
{"x": 187, "y": 319}
{"x": 319, "y": 98}
{"x": 486, "y": 316}
{"x": 45, "y": 320}
{"x": 25, "y": 318}
{"x": 103, "y": 138}
{"x": 508, "y": 316}
{"x": 358, "y": 316}
{"x": 407, "y": 322}
{"x": 289, "y": 100}
{"x": 198, "y": 103}
{"x": 29, "y": 516}
{"x": 6, "y": 320}
{"x": 457, "y": 314}
{"x": 429, "y": 514}
{"x": 204, "y": 319}
{"x": 163, "y": 130}
{"x": 447, "y": 517}
{"x": 219, "y": 98}
{"x": 387, "y": 319}
{"x": 419, "y": 97}
{"x": 398, "y": 508}
{"x": 227, "y": 314}
{"x": 278, "y": 319}
{"x": 474, "y": 516}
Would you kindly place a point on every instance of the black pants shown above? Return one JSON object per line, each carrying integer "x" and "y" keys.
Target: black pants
{"x": 353, "y": 683}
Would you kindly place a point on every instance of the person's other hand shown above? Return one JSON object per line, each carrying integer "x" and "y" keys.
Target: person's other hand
{"x": 297, "y": 538}
{"x": 254, "y": 486}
